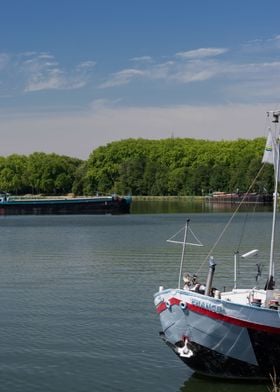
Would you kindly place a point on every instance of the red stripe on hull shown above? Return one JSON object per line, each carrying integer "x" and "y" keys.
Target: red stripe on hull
{"x": 219, "y": 316}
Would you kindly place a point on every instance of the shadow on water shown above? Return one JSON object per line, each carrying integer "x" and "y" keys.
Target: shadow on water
{"x": 196, "y": 383}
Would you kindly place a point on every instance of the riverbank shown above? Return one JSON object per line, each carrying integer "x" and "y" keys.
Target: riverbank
{"x": 168, "y": 198}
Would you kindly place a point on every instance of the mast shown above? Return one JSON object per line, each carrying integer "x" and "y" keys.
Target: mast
{"x": 270, "y": 281}
{"x": 187, "y": 230}
{"x": 183, "y": 251}
{"x": 236, "y": 259}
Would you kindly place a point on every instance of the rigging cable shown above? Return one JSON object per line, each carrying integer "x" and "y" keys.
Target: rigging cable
{"x": 245, "y": 222}
{"x": 230, "y": 220}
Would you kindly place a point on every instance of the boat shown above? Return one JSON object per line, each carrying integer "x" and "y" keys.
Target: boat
{"x": 236, "y": 197}
{"x": 226, "y": 334}
{"x": 64, "y": 205}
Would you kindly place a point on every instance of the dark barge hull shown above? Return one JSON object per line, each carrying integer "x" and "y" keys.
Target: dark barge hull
{"x": 95, "y": 205}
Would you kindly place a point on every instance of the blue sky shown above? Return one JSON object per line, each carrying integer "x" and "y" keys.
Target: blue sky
{"x": 75, "y": 75}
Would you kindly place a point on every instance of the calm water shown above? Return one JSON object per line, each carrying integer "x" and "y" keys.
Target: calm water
{"x": 76, "y": 297}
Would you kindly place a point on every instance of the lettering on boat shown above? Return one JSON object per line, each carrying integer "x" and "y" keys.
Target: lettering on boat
{"x": 208, "y": 305}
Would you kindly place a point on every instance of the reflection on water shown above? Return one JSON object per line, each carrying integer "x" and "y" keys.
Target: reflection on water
{"x": 174, "y": 206}
{"x": 195, "y": 384}
{"x": 167, "y": 206}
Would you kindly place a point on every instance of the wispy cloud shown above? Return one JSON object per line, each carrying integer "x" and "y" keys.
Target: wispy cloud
{"x": 183, "y": 67}
{"x": 186, "y": 67}
{"x": 87, "y": 64}
{"x": 231, "y": 70}
{"x": 43, "y": 72}
{"x": 142, "y": 59}
{"x": 262, "y": 45}
{"x": 30, "y": 71}
{"x": 251, "y": 64}
{"x": 122, "y": 77}
{"x": 201, "y": 53}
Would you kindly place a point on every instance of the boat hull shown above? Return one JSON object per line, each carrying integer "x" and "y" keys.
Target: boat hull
{"x": 94, "y": 205}
{"x": 220, "y": 339}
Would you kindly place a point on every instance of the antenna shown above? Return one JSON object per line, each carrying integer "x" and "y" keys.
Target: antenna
{"x": 252, "y": 253}
{"x": 183, "y": 251}
{"x": 275, "y": 115}
{"x": 246, "y": 255}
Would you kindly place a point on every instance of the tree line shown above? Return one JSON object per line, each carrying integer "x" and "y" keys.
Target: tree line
{"x": 175, "y": 166}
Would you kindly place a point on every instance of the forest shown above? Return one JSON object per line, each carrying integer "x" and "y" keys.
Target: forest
{"x": 174, "y": 166}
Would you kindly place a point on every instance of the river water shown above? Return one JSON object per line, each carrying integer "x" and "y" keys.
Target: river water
{"x": 76, "y": 298}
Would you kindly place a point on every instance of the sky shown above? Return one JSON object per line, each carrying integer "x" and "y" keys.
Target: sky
{"x": 79, "y": 74}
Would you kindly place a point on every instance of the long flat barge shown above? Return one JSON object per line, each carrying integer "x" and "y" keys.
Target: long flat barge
{"x": 75, "y": 205}
{"x": 223, "y": 197}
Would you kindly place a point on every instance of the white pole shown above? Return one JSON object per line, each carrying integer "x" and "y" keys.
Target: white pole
{"x": 183, "y": 252}
{"x": 236, "y": 254}
{"x": 271, "y": 259}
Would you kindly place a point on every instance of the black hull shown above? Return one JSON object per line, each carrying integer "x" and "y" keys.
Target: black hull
{"x": 210, "y": 363}
{"x": 114, "y": 206}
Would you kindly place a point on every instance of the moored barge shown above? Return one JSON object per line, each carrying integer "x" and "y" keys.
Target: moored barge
{"x": 74, "y": 205}
{"x": 237, "y": 197}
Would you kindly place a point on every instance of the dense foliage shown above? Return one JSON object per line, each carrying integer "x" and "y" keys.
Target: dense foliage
{"x": 142, "y": 167}
{"x": 177, "y": 167}
{"x": 38, "y": 173}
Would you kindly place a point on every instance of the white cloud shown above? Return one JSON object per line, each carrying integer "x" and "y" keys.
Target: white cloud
{"x": 45, "y": 56}
{"x": 87, "y": 64}
{"x": 142, "y": 59}
{"x": 196, "y": 71}
{"x": 45, "y": 79}
{"x": 185, "y": 67}
{"x": 261, "y": 46}
{"x": 238, "y": 76}
{"x": 122, "y": 77}
{"x": 42, "y": 72}
{"x": 205, "y": 64}
{"x": 29, "y": 72}
{"x": 172, "y": 71}
{"x": 160, "y": 71}
{"x": 201, "y": 53}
